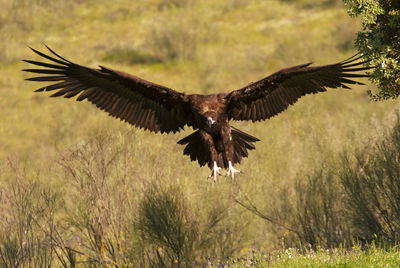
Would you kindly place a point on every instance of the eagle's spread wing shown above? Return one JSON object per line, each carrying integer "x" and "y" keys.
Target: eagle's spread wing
{"x": 134, "y": 100}
{"x": 273, "y": 94}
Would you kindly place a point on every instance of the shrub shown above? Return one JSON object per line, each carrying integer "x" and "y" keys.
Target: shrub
{"x": 173, "y": 232}
{"x": 355, "y": 197}
{"x": 372, "y": 186}
{"x": 319, "y": 217}
{"x": 27, "y": 224}
{"x": 167, "y": 225}
{"x": 100, "y": 202}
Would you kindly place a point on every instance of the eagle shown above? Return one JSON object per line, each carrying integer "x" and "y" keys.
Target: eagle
{"x": 157, "y": 108}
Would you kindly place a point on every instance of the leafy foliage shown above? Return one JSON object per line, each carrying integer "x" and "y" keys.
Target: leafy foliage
{"x": 380, "y": 42}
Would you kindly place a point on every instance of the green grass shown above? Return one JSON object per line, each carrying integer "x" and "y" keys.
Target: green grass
{"x": 61, "y": 146}
{"x": 336, "y": 257}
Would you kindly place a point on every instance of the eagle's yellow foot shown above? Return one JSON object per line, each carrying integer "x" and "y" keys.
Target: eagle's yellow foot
{"x": 232, "y": 170}
{"x": 216, "y": 170}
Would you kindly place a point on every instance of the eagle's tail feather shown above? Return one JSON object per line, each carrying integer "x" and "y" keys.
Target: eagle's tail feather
{"x": 241, "y": 143}
{"x": 198, "y": 151}
{"x": 195, "y": 148}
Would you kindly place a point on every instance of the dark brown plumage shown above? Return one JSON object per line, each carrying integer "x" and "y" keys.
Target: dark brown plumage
{"x": 160, "y": 109}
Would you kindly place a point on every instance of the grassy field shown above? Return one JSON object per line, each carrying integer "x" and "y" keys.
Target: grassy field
{"x": 74, "y": 181}
{"x": 334, "y": 257}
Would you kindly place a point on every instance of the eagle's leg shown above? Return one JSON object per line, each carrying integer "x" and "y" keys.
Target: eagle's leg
{"x": 215, "y": 170}
{"x": 229, "y": 150}
{"x": 232, "y": 170}
{"x": 209, "y": 141}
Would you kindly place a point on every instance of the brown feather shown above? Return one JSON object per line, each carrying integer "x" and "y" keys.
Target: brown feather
{"x": 158, "y": 108}
{"x": 119, "y": 94}
{"x": 286, "y": 86}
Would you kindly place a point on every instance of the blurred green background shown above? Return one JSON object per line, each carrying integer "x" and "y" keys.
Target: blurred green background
{"x": 193, "y": 46}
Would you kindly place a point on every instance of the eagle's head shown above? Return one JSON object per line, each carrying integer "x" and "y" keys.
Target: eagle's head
{"x": 210, "y": 118}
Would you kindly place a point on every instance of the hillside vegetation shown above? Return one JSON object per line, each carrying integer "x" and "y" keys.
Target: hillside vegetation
{"x": 78, "y": 187}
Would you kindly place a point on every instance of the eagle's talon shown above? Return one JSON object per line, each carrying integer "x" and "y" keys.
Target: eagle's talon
{"x": 215, "y": 170}
{"x": 232, "y": 170}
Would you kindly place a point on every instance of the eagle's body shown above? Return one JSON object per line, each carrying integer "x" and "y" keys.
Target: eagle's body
{"x": 161, "y": 109}
{"x": 215, "y": 141}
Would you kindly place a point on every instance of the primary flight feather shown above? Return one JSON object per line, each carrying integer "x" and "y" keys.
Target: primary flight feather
{"x": 160, "y": 109}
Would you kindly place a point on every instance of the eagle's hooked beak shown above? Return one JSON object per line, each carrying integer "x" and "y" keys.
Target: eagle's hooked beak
{"x": 210, "y": 122}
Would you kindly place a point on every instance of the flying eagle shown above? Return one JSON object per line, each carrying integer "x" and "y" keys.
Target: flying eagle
{"x": 161, "y": 109}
